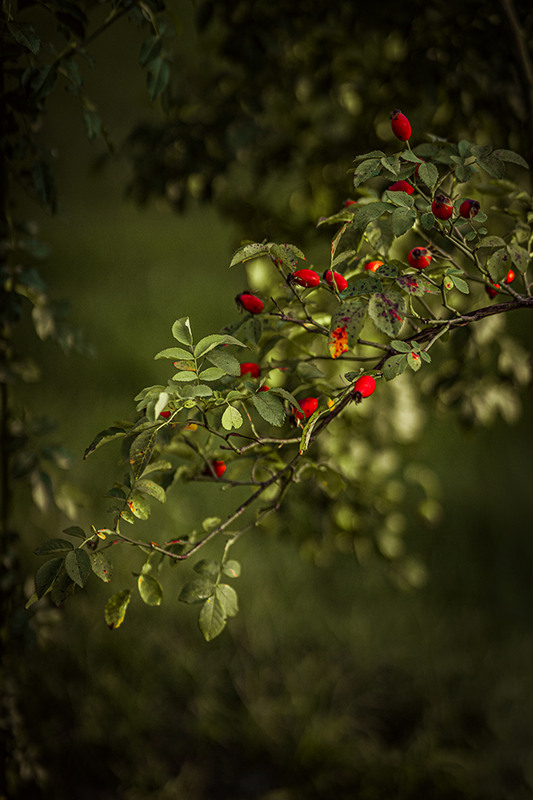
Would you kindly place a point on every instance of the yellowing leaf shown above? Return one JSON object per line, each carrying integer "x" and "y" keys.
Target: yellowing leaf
{"x": 338, "y": 343}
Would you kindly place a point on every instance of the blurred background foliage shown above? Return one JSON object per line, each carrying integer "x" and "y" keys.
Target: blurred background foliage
{"x": 334, "y": 680}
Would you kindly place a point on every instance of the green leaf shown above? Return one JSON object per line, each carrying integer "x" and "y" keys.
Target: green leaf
{"x": 232, "y": 568}
{"x": 53, "y": 546}
{"x": 46, "y": 575}
{"x": 197, "y": 590}
{"x": 195, "y": 391}
{"x": 428, "y": 174}
{"x": 102, "y": 438}
{"x": 62, "y": 588}
{"x": 401, "y": 346}
{"x": 366, "y": 170}
{"x": 492, "y": 166}
{"x": 386, "y": 311}
{"x": 116, "y": 607}
{"x": 391, "y": 164}
{"x": 209, "y": 343}
{"x": 351, "y": 315}
{"x": 207, "y": 567}
{"x": 227, "y": 597}
{"x": 362, "y": 286}
{"x": 511, "y": 157}
{"x": 464, "y": 172}
{"x": 427, "y": 221}
{"x": 416, "y": 285}
{"x": 408, "y": 155}
{"x": 252, "y": 330}
{"x": 270, "y": 408}
{"x": 24, "y": 33}
{"x": 498, "y": 264}
{"x": 414, "y": 361}
{"x": 403, "y": 220}
{"x": 212, "y": 619}
{"x": 231, "y": 418}
{"x": 75, "y": 530}
{"x": 151, "y": 488}
{"x": 175, "y": 353}
{"x": 366, "y": 214}
{"x": 492, "y": 241}
{"x": 150, "y": 49}
{"x": 225, "y": 361}
{"x": 93, "y": 123}
{"x": 139, "y": 505}
{"x": 185, "y": 376}
{"x": 249, "y": 251}
{"x": 519, "y": 256}
{"x": 157, "y": 466}
{"x": 43, "y": 81}
{"x": 460, "y": 284}
{"x": 394, "y": 366}
{"x": 141, "y": 451}
{"x": 401, "y": 199}
{"x": 307, "y": 431}
{"x": 157, "y": 76}
{"x": 78, "y": 566}
{"x": 212, "y": 374}
{"x": 150, "y": 590}
{"x": 374, "y": 154}
{"x": 101, "y": 566}
{"x": 181, "y": 330}
{"x": 287, "y": 395}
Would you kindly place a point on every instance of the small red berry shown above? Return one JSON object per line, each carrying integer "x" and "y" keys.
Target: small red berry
{"x": 401, "y": 186}
{"x": 165, "y": 414}
{"x": 442, "y": 207}
{"x": 372, "y": 266}
{"x": 305, "y": 277}
{"x": 419, "y": 257}
{"x": 400, "y": 125}
{"x": 263, "y": 388}
{"x": 492, "y": 290}
{"x": 248, "y": 367}
{"x": 469, "y": 208}
{"x": 249, "y": 302}
{"x": 510, "y": 276}
{"x": 349, "y": 202}
{"x": 364, "y": 385}
{"x": 340, "y": 281}
{"x": 217, "y": 466}
{"x": 308, "y": 405}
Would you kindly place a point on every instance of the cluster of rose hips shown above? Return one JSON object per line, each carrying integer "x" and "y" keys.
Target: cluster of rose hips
{"x": 442, "y": 208}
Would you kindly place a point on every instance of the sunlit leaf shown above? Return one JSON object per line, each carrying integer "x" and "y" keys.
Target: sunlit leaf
{"x": 116, "y": 607}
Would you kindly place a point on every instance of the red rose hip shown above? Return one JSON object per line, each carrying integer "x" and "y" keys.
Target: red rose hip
{"x": 218, "y": 466}
{"x": 308, "y": 405}
{"x": 442, "y": 207}
{"x": 364, "y": 386}
{"x": 372, "y": 266}
{"x": 249, "y": 302}
{"x": 250, "y": 368}
{"x": 335, "y": 278}
{"x": 307, "y": 278}
{"x": 419, "y": 257}
{"x": 510, "y": 276}
{"x": 401, "y": 186}
{"x": 400, "y": 125}
{"x": 469, "y": 208}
